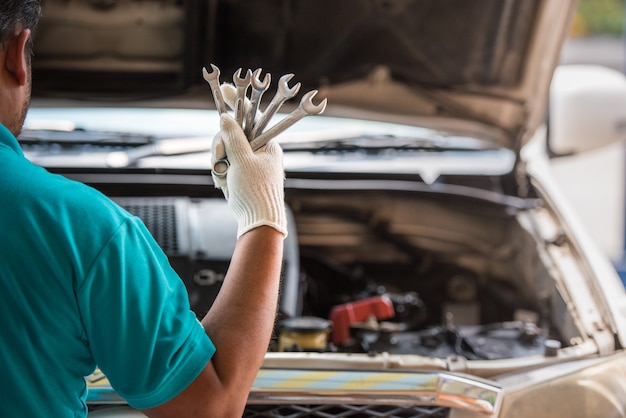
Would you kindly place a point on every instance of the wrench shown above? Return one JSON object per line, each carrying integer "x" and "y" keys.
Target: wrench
{"x": 305, "y": 108}
{"x": 242, "y": 87}
{"x": 258, "y": 88}
{"x": 213, "y": 78}
{"x": 283, "y": 93}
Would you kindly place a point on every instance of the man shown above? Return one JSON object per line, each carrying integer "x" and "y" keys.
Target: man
{"x": 82, "y": 283}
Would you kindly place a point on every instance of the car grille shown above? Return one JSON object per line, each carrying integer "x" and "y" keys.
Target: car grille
{"x": 353, "y": 411}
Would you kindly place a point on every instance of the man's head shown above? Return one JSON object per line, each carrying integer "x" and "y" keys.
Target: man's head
{"x": 18, "y": 20}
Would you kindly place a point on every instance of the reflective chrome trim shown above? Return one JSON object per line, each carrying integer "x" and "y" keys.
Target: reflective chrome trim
{"x": 375, "y": 387}
{"x": 307, "y": 386}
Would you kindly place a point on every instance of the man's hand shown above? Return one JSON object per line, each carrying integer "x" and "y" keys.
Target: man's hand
{"x": 254, "y": 182}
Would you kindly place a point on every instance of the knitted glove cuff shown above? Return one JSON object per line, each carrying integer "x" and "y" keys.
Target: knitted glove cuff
{"x": 266, "y": 208}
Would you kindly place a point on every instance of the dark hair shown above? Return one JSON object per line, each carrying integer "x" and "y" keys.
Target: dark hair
{"x": 18, "y": 13}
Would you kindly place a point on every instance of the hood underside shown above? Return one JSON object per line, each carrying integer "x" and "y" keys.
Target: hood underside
{"x": 489, "y": 61}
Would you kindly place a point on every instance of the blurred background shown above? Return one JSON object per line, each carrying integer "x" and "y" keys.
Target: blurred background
{"x": 597, "y": 34}
{"x": 595, "y": 182}
{"x": 599, "y": 17}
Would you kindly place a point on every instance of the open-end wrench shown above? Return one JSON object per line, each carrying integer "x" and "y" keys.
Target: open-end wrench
{"x": 242, "y": 87}
{"x": 283, "y": 93}
{"x": 258, "y": 88}
{"x": 305, "y": 108}
{"x": 213, "y": 78}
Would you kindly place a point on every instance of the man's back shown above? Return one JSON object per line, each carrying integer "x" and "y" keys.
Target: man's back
{"x": 69, "y": 300}
{"x": 39, "y": 268}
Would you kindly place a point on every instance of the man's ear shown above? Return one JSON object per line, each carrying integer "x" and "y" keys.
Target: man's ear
{"x": 17, "y": 61}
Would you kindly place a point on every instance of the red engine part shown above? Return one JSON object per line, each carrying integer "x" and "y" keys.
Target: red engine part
{"x": 342, "y": 316}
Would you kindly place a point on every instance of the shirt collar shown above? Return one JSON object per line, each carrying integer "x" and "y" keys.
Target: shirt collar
{"x": 8, "y": 139}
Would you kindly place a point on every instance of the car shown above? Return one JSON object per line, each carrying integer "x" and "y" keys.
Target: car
{"x": 433, "y": 266}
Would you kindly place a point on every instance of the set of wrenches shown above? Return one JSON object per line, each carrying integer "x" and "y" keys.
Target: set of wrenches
{"x": 246, "y": 114}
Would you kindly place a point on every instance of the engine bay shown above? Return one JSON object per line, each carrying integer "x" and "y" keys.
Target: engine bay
{"x": 383, "y": 272}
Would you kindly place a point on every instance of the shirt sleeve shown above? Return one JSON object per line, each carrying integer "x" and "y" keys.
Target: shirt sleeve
{"x": 138, "y": 323}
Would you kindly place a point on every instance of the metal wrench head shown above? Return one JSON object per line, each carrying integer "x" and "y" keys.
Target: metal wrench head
{"x": 305, "y": 108}
{"x": 283, "y": 87}
{"x": 283, "y": 93}
{"x": 213, "y": 78}
{"x": 242, "y": 82}
{"x": 257, "y": 84}
{"x": 213, "y": 75}
{"x": 258, "y": 88}
{"x": 306, "y": 103}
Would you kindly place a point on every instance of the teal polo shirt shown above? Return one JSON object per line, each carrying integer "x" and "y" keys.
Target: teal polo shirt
{"x": 83, "y": 283}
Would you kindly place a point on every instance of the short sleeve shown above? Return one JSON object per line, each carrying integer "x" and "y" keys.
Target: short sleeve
{"x": 138, "y": 323}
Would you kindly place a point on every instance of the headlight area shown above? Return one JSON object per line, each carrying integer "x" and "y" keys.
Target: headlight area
{"x": 579, "y": 389}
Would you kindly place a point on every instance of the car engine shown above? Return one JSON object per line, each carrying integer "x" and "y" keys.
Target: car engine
{"x": 382, "y": 272}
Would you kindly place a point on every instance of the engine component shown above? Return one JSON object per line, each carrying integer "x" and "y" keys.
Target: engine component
{"x": 306, "y": 333}
{"x": 199, "y": 236}
{"x": 487, "y": 342}
{"x": 343, "y": 316}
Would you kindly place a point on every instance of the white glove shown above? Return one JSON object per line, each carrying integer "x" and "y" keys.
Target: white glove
{"x": 254, "y": 182}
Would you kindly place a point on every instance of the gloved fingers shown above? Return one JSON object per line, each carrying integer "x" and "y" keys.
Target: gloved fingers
{"x": 229, "y": 92}
{"x": 219, "y": 164}
{"x": 218, "y": 150}
{"x": 234, "y": 139}
{"x": 272, "y": 148}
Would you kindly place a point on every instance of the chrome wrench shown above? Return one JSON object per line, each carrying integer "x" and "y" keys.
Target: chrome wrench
{"x": 240, "y": 100}
{"x": 305, "y": 108}
{"x": 283, "y": 93}
{"x": 220, "y": 164}
{"x": 213, "y": 78}
{"x": 258, "y": 88}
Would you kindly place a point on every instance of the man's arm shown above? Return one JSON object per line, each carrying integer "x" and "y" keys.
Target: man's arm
{"x": 239, "y": 323}
{"x": 241, "y": 319}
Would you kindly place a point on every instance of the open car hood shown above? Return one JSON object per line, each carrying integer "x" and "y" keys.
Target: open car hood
{"x": 489, "y": 61}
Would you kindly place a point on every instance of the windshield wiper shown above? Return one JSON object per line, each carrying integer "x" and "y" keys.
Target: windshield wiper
{"x": 134, "y": 146}
{"x": 83, "y": 137}
{"x": 368, "y": 143}
{"x": 378, "y": 143}
{"x": 164, "y": 147}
